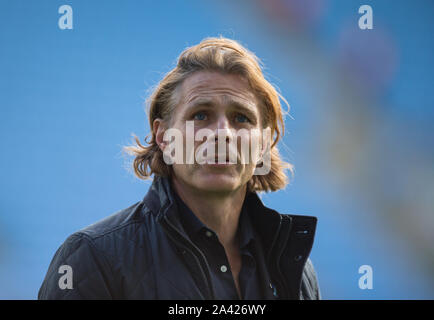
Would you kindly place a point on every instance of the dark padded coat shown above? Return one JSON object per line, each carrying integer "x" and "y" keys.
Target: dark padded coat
{"x": 142, "y": 252}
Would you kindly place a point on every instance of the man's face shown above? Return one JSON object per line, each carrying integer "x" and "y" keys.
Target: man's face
{"x": 220, "y": 103}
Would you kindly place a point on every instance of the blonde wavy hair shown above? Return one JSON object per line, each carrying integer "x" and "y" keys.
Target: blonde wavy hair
{"x": 226, "y": 56}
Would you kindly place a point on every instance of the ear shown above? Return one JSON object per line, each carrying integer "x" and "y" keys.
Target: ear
{"x": 158, "y": 128}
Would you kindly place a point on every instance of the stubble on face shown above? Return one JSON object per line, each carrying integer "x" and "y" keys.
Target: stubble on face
{"x": 219, "y": 92}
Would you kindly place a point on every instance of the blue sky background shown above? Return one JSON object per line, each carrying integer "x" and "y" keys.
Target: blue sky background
{"x": 360, "y": 135}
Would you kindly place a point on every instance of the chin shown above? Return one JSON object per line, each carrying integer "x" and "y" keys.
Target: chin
{"x": 216, "y": 182}
{"x": 221, "y": 180}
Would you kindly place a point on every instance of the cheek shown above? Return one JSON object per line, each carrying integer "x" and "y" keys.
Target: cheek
{"x": 182, "y": 170}
{"x": 249, "y": 169}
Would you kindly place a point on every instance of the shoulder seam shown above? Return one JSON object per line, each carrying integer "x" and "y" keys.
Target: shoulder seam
{"x": 113, "y": 229}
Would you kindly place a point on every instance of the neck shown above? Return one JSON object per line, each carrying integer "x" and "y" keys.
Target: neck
{"x": 219, "y": 212}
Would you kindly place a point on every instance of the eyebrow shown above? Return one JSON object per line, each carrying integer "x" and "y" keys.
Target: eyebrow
{"x": 209, "y": 103}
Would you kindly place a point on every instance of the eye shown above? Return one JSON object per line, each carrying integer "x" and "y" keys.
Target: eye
{"x": 199, "y": 116}
{"x": 242, "y": 118}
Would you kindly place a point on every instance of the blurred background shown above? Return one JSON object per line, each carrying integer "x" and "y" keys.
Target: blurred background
{"x": 360, "y": 132}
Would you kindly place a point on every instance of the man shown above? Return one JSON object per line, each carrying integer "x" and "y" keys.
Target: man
{"x": 201, "y": 231}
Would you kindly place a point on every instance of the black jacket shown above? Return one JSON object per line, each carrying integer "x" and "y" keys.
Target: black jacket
{"x": 143, "y": 252}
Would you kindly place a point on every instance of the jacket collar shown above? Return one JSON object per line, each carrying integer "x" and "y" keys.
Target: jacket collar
{"x": 266, "y": 222}
{"x": 286, "y": 239}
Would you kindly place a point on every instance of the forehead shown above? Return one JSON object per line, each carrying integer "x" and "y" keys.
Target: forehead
{"x": 216, "y": 85}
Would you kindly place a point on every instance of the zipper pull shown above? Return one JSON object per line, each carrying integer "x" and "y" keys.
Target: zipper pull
{"x": 273, "y": 288}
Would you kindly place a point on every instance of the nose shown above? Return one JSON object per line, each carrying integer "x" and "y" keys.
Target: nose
{"x": 223, "y": 128}
{"x": 224, "y": 134}
{"x": 223, "y": 122}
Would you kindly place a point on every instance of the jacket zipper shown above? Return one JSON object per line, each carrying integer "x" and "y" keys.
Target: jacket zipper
{"x": 274, "y": 240}
{"x": 281, "y": 281}
{"x": 207, "y": 276}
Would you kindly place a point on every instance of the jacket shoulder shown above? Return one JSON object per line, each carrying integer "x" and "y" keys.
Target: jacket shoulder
{"x": 116, "y": 222}
{"x": 84, "y": 269}
{"x": 119, "y": 235}
{"x": 96, "y": 254}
